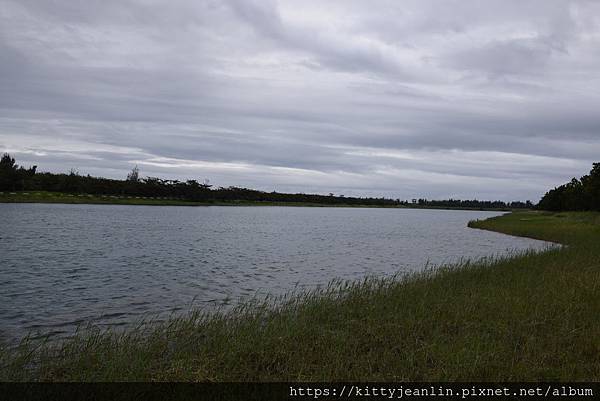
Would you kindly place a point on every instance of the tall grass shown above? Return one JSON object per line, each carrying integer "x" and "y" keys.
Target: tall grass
{"x": 531, "y": 316}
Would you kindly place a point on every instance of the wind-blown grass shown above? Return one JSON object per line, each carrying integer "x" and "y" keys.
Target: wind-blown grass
{"x": 532, "y": 316}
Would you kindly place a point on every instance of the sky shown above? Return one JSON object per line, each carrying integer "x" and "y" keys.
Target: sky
{"x": 403, "y": 99}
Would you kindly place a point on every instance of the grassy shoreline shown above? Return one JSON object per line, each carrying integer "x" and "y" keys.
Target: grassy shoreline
{"x": 64, "y": 198}
{"x": 527, "y": 317}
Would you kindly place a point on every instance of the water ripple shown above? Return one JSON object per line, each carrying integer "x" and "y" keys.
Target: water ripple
{"x": 64, "y": 265}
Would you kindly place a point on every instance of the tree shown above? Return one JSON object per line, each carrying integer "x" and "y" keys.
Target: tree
{"x": 591, "y": 187}
{"x": 71, "y": 182}
{"x": 8, "y": 173}
{"x": 13, "y": 177}
{"x": 582, "y": 194}
{"x": 134, "y": 175}
{"x": 7, "y": 162}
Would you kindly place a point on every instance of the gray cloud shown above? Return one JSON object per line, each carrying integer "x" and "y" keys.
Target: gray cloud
{"x": 436, "y": 99}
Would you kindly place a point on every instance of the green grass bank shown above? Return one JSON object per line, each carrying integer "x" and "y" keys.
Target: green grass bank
{"x": 532, "y": 316}
{"x": 66, "y": 198}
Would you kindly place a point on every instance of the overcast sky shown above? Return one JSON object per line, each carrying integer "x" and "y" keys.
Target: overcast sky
{"x": 437, "y": 99}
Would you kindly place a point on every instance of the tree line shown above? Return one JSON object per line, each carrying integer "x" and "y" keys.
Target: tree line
{"x": 475, "y": 204}
{"x": 577, "y": 195}
{"x": 12, "y": 176}
{"x": 17, "y": 178}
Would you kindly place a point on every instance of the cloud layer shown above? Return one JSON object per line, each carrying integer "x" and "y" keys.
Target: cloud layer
{"x": 462, "y": 98}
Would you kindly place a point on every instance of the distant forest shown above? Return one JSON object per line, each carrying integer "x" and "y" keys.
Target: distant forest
{"x": 579, "y": 194}
{"x": 16, "y": 178}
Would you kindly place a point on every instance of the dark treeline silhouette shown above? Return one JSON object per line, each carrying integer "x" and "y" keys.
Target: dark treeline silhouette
{"x": 579, "y": 194}
{"x": 15, "y": 178}
{"x": 474, "y": 204}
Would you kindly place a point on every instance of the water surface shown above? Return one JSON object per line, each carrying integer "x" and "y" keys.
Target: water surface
{"x": 61, "y": 265}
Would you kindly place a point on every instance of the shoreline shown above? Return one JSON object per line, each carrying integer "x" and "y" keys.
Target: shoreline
{"x": 527, "y": 317}
{"x": 85, "y": 199}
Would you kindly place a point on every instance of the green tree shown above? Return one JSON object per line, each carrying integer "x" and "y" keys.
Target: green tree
{"x": 8, "y": 173}
{"x": 13, "y": 177}
{"x": 582, "y": 194}
{"x": 134, "y": 174}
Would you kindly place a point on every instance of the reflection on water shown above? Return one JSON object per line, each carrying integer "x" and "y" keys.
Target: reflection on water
{"x": 62, "y": 265}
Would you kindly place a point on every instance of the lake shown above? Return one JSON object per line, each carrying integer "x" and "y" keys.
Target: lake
{"x": 64, "y": 265}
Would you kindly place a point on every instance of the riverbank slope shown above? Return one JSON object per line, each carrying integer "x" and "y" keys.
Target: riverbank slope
{"x": 532, "y": 316}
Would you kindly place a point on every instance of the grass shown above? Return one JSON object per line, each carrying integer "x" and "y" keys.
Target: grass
{"x": 60, "y": 197}
{"x": 65, "y": 198}
{"x": 581, "y": 229}
{"x": 532, "y": 316}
